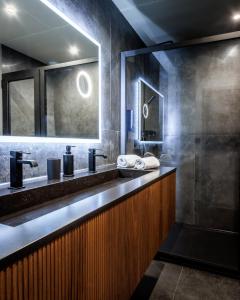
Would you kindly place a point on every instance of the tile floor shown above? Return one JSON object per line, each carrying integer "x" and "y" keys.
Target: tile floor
{"x": 182, "y": 283}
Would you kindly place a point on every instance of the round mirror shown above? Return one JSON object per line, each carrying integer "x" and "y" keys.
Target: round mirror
{"x": 145, "y": 111}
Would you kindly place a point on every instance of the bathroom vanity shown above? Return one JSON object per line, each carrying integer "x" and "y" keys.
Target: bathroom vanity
{"x": 91, "y": 237}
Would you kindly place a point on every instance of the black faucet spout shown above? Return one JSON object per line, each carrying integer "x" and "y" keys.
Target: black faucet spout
{"x": 16, "y": 168}
{"x": 31, "y": 163}
{"x": 101, "y": 155}
{"x": 92, "y": 159}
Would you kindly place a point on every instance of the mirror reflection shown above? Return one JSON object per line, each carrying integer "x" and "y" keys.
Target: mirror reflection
{"x": 146, "y": 95}
{"x": 74, "y": 85}
{"x": 151, "y": 104}
{"x": 50, "y": 74}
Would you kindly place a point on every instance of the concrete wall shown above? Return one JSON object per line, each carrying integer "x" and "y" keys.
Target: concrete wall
{"x": 202, "y": 131}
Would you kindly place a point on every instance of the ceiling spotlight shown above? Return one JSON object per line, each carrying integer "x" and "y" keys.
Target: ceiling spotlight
{"x": 236, "y": 17}
{"x": 11, "y": 10}
{"x": 73, "y": 50}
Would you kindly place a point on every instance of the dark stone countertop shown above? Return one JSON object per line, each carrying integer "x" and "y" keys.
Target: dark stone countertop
{"x": 20, "y": 240}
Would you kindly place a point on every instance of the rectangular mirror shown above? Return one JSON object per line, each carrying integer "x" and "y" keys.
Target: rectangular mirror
{"x": 50, "y": 72}
{"x": 144, "y": 94}
{"x": 151, "y": 108}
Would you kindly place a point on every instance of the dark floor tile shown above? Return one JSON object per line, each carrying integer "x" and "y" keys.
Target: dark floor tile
{"x": 196, "y": 285}
{"x": 200, "y": 285}
{"x": 155, "y": 268}
{"x": 167, "y": 282}
{"x": 228, "y": 289}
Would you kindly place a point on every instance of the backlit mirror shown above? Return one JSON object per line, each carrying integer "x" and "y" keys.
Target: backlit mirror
{"x": 50, "y": 72}
{"x": 151, "y": 103}
{"x": 144, "y": 98}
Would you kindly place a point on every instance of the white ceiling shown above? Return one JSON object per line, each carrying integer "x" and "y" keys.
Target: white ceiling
{"x": 156, "y": 21}
{"x": 38, "y": 32}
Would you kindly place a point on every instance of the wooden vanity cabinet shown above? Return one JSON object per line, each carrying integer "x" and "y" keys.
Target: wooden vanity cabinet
{"x": 102, "y": 258}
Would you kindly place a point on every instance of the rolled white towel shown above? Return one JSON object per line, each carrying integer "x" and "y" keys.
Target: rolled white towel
{"x": 146, "y": 163}
{"x": 127, "y": 161}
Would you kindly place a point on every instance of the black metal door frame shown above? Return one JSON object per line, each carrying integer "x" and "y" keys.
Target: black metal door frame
{"x": 6, "y": 103}
{"x": 167, "y": 45}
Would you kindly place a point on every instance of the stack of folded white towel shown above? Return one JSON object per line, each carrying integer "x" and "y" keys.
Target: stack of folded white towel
{"x": 135, "y": 161}
{"x": 127, "y": 161}
{"x": 145, "y": 163}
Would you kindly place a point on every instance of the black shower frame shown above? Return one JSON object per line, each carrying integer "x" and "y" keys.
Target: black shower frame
{"x": 168, "y": 45}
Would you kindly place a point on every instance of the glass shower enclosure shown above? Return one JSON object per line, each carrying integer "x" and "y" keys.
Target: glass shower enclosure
{"x": 199, "y": 120}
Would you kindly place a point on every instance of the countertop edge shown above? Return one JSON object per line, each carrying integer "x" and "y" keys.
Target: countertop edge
{"x": 36, "y": 244}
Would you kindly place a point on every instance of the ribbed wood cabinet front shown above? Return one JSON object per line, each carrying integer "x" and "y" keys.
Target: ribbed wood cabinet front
{"x": 103, "y": 258}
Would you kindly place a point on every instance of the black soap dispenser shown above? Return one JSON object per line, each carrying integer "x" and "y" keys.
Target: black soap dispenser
{"x": 68, "y": 162}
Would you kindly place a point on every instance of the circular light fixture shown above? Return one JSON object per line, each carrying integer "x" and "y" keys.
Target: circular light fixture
{"x": 73, "y": 50}
{"x": 11, "y": 10}
{"x": 84, "y": 84}
{"x": 145, "y": 111}
{"x": 236, "y": 17}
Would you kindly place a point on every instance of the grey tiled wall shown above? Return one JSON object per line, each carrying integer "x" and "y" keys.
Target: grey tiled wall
{"x": 102, "y": 21}
{"x": 201, "y": 86}
{"x": 203, "y": 132}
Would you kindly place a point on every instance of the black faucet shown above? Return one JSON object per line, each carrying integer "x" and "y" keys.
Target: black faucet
{"x": 92, "y": 159}
{"x": 16, "y": 169}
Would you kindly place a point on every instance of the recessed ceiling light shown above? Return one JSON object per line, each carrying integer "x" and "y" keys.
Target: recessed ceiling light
{"x": 73, "y": 50}
{"x": 10, "y": 9}
{"x": 236, "y": 17}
